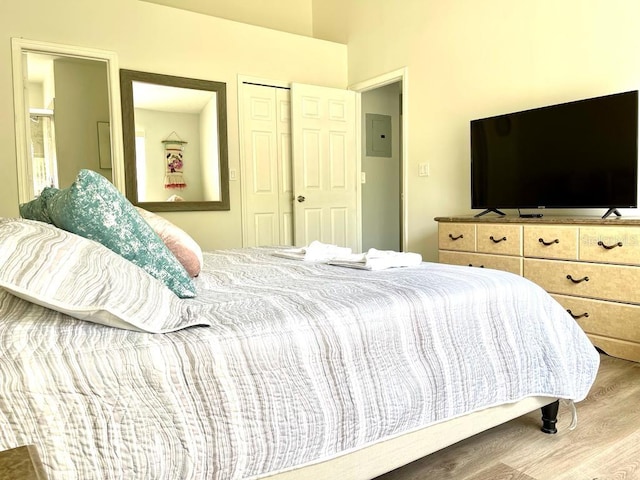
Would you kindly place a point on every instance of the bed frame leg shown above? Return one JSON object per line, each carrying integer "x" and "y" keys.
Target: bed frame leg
{"x": 550, "y": 417}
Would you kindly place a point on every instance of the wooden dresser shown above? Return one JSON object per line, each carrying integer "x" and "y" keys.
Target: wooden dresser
{"x": 590, "y": 265}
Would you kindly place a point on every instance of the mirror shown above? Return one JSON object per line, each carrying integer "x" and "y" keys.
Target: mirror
{"x": 175, "y": 142}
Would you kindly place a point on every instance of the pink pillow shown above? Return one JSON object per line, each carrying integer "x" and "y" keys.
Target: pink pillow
{"x": 185, "y": 248}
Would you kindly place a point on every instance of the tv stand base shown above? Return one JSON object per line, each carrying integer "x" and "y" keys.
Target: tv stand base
{"x": 610, "y": 211}
{"x": 489, "y": 210}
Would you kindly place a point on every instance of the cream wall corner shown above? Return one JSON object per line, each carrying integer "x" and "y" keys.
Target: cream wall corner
{"x": 469, "y": 59}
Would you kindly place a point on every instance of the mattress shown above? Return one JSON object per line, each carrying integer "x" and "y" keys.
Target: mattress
{"x": 301, "y": 363}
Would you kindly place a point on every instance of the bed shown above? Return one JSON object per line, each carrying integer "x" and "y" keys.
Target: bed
{"x": 277, "y": 368}
{"x": 128, "y": 353}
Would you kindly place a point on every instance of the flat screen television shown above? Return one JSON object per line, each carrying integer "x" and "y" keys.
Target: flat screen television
{"x": 581, "y": 154}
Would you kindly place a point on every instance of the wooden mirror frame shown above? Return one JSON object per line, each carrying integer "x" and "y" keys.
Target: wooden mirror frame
{"x": 127, "y": 77}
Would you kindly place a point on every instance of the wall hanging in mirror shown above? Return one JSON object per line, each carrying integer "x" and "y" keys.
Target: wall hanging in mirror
{"x": 174, "y": 162}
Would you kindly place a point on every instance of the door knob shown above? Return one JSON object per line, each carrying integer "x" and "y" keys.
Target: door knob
{"x": 300, "y": 198}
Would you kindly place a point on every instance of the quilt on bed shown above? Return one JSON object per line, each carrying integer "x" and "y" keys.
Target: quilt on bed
{"x": 302, "y": 361}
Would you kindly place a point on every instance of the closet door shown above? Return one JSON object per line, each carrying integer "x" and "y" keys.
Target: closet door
{"x": 324, "y": 165}
{"x": 267, "y": 186}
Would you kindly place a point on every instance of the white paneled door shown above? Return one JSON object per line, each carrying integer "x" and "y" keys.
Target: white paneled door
{"x": 299, "y": 166}
{"x": 325, "y": 165}
{"x": 267, "y": 184}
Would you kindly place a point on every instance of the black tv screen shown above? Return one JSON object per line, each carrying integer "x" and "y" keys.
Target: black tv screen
{"x": 582, "y": 154}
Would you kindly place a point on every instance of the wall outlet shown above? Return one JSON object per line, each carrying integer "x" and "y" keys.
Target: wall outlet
{"x": 423, "y": 170}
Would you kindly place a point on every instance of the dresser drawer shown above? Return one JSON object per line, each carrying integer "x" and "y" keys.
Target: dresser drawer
{"x": 496, "y": 262}
{"x": 457, "y": 236}
{"x": 610, "y": 244}
{"x": 606, "y": 282}
{"x": 550, "y": 241}
{"x": 499, "y": 239}
{"x": 610, "y": 319}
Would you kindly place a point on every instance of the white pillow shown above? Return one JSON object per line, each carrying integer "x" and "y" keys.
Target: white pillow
{"x": 82, "y": 278}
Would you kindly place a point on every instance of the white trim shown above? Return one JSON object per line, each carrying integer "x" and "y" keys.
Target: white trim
{"x": 358, "y": 133}
{"x": 400, "y": 75}
{"x": 19, "y": 46}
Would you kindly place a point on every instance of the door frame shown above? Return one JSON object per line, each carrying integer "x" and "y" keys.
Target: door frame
{"x": 400, "y": 75}
{"x": 19, "y": 46}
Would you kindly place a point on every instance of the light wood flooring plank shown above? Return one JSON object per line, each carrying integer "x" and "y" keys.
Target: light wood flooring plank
{"x": 620, "y": 461}
{"x": 500, "y": 471}
{"x": 604, "y": 446}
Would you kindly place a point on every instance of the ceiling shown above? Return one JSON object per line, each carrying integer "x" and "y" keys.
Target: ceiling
{"x": 322, "y": 19}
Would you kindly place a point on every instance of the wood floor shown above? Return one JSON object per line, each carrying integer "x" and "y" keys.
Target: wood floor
{"x": 604, "y": 446}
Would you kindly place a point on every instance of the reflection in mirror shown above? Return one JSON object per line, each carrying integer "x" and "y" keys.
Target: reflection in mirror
{"x": 67, "y": 100}
{"x": 175, "y": 142}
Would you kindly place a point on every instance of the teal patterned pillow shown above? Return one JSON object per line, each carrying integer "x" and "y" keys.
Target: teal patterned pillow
{"x": 59, "y": 270}
{"x": 93, "y": 208}
{"x": 37, "y": 209}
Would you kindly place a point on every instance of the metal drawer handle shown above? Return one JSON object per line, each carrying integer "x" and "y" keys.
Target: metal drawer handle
{"x": 576, "y": 317}
{"x": 456, "y": 238}
{"x": 480, "y": 266}
{"x": 498, "y": 240}
{"x": 579, "y": 280}
{"x": 609, "y": 247}
{"x": 548, "y": 243}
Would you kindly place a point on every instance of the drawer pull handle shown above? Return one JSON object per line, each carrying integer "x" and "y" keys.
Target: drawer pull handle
{"x": 576, "y": 317}
{"x": 480, "y": 266}
{"x": 498, "y": 240}
{"x": 609, "y": 247}
{"x": 578, "y": 280}
{"x": 456, "y": 238}
{"x": 548, "y": 243}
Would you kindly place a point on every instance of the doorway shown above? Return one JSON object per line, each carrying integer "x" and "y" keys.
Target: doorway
{"x": 75, "y": 58}
{"x": 383, "y": 167}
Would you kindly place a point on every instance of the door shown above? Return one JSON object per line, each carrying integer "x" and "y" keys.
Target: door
{"x": 267, "y": 184}
{"x": 325, "y": 166}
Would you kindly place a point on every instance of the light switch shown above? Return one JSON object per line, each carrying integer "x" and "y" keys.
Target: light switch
{"x": 363, "y": 177}
{"x": 423, "y": 170}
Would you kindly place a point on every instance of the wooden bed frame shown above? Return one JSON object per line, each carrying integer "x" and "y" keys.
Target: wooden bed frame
{"x": 379, "y": 458}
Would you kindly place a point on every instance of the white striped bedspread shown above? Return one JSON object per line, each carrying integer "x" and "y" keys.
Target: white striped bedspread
{"x": 303, "y": 361}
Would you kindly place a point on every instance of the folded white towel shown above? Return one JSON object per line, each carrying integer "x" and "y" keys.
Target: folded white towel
{"x": 379, "y": 260}
{"x": 323, "y": 252}
{"x": 315, "y": 252}
{"x": 290, "y": 253}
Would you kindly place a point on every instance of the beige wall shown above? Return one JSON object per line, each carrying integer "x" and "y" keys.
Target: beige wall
{"x": 468, "y": 59}
{"x": 157, "y": 126}
{"x": 160, "y": 39}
